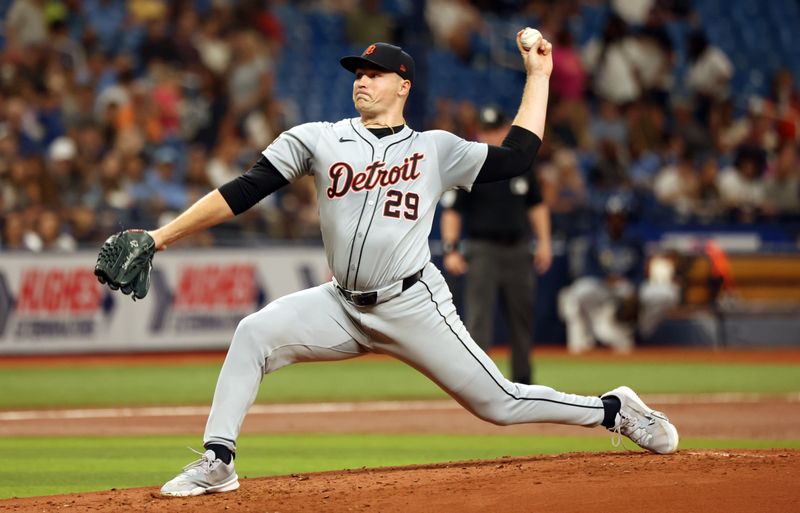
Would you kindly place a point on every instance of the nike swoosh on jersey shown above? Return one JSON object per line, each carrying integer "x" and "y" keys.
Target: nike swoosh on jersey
{"x": 342, "y": 139}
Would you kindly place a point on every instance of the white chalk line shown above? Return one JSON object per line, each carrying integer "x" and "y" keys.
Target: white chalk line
{"x": 346, "y": 407}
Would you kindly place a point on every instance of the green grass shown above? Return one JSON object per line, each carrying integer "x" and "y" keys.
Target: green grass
{"x": 47, "y": 466}
{"x": 363, "y": 380}
{"x": 55, "y": 465}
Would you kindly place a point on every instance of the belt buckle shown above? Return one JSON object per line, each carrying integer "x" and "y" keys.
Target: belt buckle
{"x": 344, "y": 292}
{"x": 365, "y": 299}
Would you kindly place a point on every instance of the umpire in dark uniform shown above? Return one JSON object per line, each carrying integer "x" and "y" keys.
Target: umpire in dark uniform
{"x": 497, "y": 221}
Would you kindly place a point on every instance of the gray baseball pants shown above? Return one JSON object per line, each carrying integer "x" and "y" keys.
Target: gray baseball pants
{"x": 420, "y": 327}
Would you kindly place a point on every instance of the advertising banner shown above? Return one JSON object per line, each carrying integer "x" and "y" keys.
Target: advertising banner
{"x": 52, "y": 303}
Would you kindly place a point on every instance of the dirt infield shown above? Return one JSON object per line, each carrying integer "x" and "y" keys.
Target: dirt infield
{"x": 732, "y": 482}
{"x": 729, "y": 481}
{"x": 709, "y": 481}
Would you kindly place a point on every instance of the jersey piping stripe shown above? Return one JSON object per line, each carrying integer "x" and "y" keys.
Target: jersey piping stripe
{"x": 353, "y": 243}
{"x": 396, "y": 142}
{"x": 487, "y": 370}
{"x": 377, "y": 200}
{"x": 364, "y": 241}
{"x": 355, "y": 232}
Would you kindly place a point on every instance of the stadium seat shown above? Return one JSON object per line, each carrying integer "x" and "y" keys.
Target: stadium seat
{"x": 749, "y": 34}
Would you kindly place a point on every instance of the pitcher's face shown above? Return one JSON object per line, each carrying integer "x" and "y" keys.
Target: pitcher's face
{"x": 376, "y": 91}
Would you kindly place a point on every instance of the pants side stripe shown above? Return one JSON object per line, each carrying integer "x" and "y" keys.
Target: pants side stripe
{"x": 487, "y": 370}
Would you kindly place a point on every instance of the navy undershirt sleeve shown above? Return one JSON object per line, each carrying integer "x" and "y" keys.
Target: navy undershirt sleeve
{"x": 257, "y": 183}
{"x": 513, "y": 158}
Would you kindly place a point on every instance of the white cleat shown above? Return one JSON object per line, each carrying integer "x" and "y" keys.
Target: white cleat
{"x": 650, "y": 429}
{"x": 207, "y": 475}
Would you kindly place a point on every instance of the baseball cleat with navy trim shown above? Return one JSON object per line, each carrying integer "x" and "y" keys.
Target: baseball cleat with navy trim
{"x": 650, "y": 429}
{"x": 209, "y": 474}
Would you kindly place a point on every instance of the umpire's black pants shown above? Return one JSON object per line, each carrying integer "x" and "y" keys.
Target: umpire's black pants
{"x": 506, "y": 269}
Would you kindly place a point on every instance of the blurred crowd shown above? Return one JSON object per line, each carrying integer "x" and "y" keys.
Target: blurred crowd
{"x": 118, "y": 114}
{"x": 676, "y": 146}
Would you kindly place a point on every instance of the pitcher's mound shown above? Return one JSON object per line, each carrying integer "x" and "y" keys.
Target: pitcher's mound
{"x": 691, "y": 480}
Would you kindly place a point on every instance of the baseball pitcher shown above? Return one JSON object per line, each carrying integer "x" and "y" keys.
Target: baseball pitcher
{"x": 378, "y": 182}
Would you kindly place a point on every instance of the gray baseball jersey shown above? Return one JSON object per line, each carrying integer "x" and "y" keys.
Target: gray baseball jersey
{"x": 377, "y": 198}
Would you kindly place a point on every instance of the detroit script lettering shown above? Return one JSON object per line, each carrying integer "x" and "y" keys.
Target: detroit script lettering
{"x": 344, "y": 179}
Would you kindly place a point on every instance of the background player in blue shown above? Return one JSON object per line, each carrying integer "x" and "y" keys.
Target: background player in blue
{"x": 611, "y": 297}
{"x": 378, "y": 183}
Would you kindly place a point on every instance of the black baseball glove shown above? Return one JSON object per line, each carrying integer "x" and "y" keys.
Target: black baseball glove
{"x": 125, "y": 261}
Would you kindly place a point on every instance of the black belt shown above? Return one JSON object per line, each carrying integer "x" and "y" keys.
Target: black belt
{"x": 371, "y": 298}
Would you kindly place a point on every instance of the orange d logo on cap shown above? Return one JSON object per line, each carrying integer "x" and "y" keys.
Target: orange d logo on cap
{"x": 382, "y": 56}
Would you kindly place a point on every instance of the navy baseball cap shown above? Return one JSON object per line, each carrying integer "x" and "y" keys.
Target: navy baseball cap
{"x": 382, "y": 56}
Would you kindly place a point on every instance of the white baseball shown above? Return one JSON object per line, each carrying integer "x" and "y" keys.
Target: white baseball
{"x": 529, "y": 38}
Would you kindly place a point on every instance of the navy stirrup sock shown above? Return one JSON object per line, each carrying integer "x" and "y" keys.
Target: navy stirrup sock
{"x": 611, "y": 405}
{"x": 222, "y": 452}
